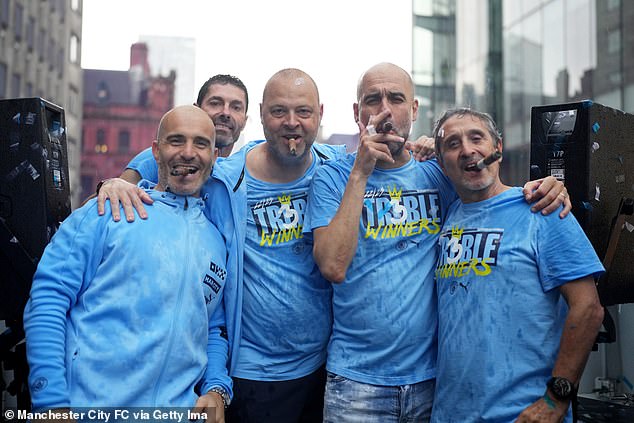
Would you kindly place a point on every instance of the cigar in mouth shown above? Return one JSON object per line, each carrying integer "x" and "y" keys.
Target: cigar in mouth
{"x": 488, "y": 160}
{"x": 386, "y": 127}
{"x": 292, "y": 145}
{"x": 179, "y": 171}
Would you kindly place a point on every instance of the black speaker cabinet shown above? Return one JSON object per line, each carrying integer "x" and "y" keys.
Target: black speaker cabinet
{"x": 590, "y": 147}
{"x": 34, "y": 191}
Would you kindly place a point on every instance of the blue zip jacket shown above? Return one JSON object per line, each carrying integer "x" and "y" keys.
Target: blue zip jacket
{"x": 125, "y": 315}
{"x": 227, "y": 208}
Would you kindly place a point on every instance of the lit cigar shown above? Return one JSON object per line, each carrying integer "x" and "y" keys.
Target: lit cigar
{"x": 182, "y": 172}
{"x": 492, "y": 158}
{"x": 292, "y": 145}
{"x": 386, "y": 127}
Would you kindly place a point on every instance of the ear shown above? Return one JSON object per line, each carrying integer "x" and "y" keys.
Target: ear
{"x": 155, "y": 150}
{"x": 414, "y": 110}
{"x": 261, "y": 115}
{"x": 357, "y": 116}
{"x": 500, "y": 147}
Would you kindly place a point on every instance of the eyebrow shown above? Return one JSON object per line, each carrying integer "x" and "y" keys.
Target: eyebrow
{"x": 475, "y": 131}
{"x": 207, "y": 140}
{"x": 379, "y": 94}
{"x": 174, "y": 136}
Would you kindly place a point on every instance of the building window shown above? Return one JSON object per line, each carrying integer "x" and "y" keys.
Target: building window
{"x": 51, "y": 54}
{"x": 30, "y": 33}
{"x": 18, "y": 13}
{"x": 614, "y": 41}
{"x": 4, "y": 13}
{"x": 62, "y": 10}
{"x": 41, "y": 47}
{"x": 74, "y": 49}
{"x": 613, "y": 4}
{"x": 103, "y": 93}
{"x": 101, "y": 146}
{"x": 74, "y": 4}
{"x": 28, "y": 90}
{"x": 3, "y": 80}
{"x": 15, "y": 85}
{"x": 60, "y": 61}
{"x": 124, "y": 141}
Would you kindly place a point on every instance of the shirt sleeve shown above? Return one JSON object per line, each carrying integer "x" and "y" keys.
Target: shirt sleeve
{"x": 145, "y": 165}
{"x": 216, "y": 373}
{"x": 66, "y": 267}
{"x": 324, "y": 197}
{"x": 563, "y": 250}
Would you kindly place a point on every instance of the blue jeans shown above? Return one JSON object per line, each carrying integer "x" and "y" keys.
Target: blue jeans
{"x": 347, "y": 401}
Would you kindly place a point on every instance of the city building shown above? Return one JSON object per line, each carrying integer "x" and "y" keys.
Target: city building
{"x": 506, "y": 56}
{"x": 122, "y": 110}
{"x": 40, "y": 56}
{"x": 167, "y": 54}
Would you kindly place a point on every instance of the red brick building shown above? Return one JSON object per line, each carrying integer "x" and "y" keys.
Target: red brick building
{"x": 121, "y": 110}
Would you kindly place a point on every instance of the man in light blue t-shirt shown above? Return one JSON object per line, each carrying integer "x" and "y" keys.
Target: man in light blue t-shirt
{"x": 375, "y": 217}
{"x": 518, "y": 310}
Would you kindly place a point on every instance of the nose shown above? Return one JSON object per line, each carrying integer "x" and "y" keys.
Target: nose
{"x": 226, "y": 110}
{"x": 385, "y": 104}
{"x": 468, "y": 148}
{"x": 291, "y": 120}
{"x": 187, "y": 151}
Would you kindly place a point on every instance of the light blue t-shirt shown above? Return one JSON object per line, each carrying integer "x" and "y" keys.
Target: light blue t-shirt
{"x": 384, "y": 329}
{"x": 278, "y": 266}
{"x": 500, "y": 311}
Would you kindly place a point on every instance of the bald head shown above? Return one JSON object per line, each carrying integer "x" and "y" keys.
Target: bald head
{"x": 387, "y": 71}
{"x": 187, "y": 112}
{"x": 291, "y": 77}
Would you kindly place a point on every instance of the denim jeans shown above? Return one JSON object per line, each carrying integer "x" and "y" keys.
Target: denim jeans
{"x": 347, "y": 401}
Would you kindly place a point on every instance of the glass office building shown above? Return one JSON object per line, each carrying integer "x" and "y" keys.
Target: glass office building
{"x": 505, "y": 56}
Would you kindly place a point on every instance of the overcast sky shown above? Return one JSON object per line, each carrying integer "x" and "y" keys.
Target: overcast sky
{"x": 333, "y": 40}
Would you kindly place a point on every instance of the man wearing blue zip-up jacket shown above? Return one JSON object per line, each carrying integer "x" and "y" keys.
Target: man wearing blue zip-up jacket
{"x": 283, "y": 313}
{"x": 134, "y": 315}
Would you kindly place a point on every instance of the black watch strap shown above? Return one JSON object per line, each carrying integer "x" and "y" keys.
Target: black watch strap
{"x": 562, "y": 388}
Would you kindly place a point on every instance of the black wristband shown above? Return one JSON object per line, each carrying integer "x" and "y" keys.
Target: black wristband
{"x": 99, "y": 185}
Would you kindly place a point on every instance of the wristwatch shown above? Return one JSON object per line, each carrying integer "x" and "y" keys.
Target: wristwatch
{"x": 561, "y": 388}
{"x": 223, "y": 393}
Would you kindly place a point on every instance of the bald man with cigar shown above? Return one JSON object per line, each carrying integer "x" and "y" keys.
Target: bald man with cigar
{"x": 134, "y": 315}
